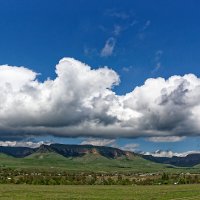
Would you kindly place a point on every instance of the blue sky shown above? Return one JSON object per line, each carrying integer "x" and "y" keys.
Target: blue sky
{"x": 137, "y": 39}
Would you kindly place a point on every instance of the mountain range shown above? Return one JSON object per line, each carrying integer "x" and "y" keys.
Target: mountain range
{"x": 89, "y": 151}
{"x": 66, "y": 151}
{"x": 186, "y": 161}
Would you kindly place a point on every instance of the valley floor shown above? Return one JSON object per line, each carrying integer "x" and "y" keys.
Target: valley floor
{"x": 30, "y": 192}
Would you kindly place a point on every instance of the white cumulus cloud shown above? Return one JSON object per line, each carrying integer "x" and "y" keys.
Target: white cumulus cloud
{"x": 80, "y": 102}
{"x": 170, "y": 154}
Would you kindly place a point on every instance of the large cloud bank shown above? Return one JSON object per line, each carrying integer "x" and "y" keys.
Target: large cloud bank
{"x": 80, "y": 102}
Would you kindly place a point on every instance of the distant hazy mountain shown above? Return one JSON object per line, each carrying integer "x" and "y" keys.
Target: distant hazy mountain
{"x": 189, "y": 160}
{"x": 67, "y": 151}
{"x": 18, "y": 152}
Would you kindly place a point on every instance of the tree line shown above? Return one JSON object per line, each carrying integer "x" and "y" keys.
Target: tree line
{"x": 90, "y": 178}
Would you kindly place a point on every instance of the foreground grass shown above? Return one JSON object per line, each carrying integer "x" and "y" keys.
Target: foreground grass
{"x": 24, "y": 192}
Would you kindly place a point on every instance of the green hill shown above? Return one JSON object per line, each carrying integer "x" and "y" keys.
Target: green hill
{"x": 88, "y": 162}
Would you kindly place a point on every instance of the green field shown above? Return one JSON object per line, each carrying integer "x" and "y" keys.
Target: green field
{"x": 174, "y": 192}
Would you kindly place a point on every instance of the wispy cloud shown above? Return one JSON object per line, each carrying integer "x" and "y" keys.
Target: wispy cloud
{"x": 22, "y": 144}
{"x": 146, "y": 25}
{"x": 130, "y": 147}
{"x": 166, "y": 139}
{"x": 90, "y": 52}
{"x": 99, "y": 142}
{"x": 108, "y": 47}
{"x": 117, "y": 14}
{"x": 134, "y": 22}
{"x": 127, "y": 69}
{"x": 123, "y": 22}
{"x": 142, "y": 31}
{"x": 117, "y": 30}
{"x": 157, "y": 60}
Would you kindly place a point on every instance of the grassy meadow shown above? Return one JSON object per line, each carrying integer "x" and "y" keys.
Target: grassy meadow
{"x": 173, "y": 192}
